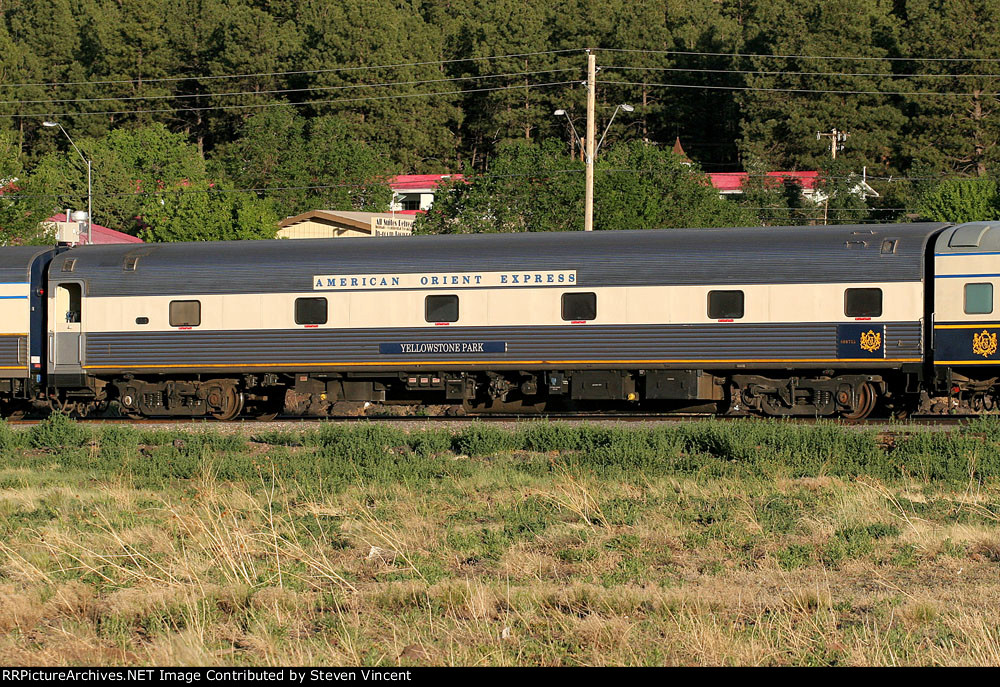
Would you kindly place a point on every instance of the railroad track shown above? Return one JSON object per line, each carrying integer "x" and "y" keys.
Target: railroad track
{"x": 677, "y": 418}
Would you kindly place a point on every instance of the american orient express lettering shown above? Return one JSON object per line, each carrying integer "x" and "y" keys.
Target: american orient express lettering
{"x": 443, "y": 347}
{"x": 447, "y": 280}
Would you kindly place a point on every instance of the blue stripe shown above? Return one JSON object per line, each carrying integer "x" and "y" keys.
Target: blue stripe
{"x": 963, "y": 276}
{"x": 9, "y": 297}
{"x": 952, "y": 255}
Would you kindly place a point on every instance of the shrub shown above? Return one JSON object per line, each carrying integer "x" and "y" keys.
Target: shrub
{"x": 58, "y": 431}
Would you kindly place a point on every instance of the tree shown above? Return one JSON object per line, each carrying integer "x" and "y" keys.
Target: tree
{"x": 202, "y": 213}
{"x": 641, "y": 186}
{"x": 961, "y": 200}
{"x": 538, "y": 188}
{"x": 24, "y": 201}
{"x": 355, "y": 44}
{"x": 953, "y": 125}
{"x": 793, "y": 99}
{"x": 126, "y": 164}
{"x": 305, "y": 164}
{"x": 527, "y": 188}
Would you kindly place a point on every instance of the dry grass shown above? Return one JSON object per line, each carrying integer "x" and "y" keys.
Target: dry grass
{"x": 499, "y": 567}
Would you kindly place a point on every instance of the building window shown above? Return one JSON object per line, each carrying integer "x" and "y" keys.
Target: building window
{"x": 725, "y": 305}
{"x": 185, "y": 313}
{"x": 579, "y": 306}
{"x": 441, "y": 308}
{"x": 978, "y": 299}
{"x": 863, "y": 302}
{"x": 310, "y": 311}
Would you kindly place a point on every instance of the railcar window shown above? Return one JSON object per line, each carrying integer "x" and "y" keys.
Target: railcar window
{"x": 579, "y": 306}
{"x": 310, "y": 311}
{"x": 863, "y": 302}
{"x": 725, "y": 305}
{"x": 185, "y": 313}
{"x": 441, "y": 308}
{"x": 978, "y": 299}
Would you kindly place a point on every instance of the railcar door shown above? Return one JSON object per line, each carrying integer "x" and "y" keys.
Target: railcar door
{"x": 66, "y": 327}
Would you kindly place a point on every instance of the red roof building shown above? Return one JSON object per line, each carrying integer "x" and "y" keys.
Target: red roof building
{"x": 728, "y": 183}
{"x": 102, "y": 235}
{"x": 413, "y": 193}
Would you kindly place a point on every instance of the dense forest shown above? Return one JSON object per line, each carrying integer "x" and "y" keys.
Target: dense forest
{"x": 255, "y": 109}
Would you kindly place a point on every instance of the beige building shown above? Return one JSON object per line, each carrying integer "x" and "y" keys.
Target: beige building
{"x": 331, "y": 224}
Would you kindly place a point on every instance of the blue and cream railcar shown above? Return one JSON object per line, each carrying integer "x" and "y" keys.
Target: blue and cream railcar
{"x": 966, "y": 315}
{"x": 788, "y": 320}
{"x": 22, "y": 282}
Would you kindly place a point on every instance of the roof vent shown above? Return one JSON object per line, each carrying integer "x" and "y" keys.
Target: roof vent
{"x": 69, "y": 265}
{"x": 968, "y": 235}
{"x": 130, "y": 263}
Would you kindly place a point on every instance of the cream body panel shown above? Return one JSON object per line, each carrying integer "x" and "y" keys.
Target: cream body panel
{"x": 949, "y": 292}
{"x": 957, "y": 263}
{"x": 15, "y": 309}
{"x": 794, "y": 303}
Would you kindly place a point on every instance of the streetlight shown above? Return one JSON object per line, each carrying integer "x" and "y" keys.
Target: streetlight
{"x": 576, "y": 136}
{"x": 90, "y": 216}
{"x": 623, "y": 106}
{"x": 588, "y": 222}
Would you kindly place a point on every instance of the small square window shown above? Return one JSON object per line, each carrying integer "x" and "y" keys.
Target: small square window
{"x": 441, "y": 308}
{"x": 863, "y": 302}
{"x": 185, "y": 313}
{"x": 579, "y": 306}
{"x": 978, "y": 299}
{"x": 310, "y": 311}
{"x": 725, "y": 305}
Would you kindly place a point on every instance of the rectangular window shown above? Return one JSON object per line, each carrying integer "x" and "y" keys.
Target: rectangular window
{"x": 863, "y": 302}
{"x": 441, "y": 308}
{"x": 978, "y": 299}
{"x": 725, "y": 305}
{"x": 185, "y": 313}
{"x": 579, "y": 306}
{"x": 310, "y": 311}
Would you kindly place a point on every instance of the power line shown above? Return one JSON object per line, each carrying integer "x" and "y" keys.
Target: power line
{"x": 288, "y": 73}
{"x": 852, "y": 58}
{"x": 283, "y": 91}
{"x": 277, "y": 104}
{"x": 792, "y": 90}
{"x": 762, "y": 72}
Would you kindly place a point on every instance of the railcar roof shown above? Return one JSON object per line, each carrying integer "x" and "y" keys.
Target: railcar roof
{"x": 15, "y": 262}
{"x": 842, "y": 253}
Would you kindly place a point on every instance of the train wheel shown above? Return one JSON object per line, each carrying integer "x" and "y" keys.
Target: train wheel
{"x": 230, "y": 400}
{"x": 867, "y": 397}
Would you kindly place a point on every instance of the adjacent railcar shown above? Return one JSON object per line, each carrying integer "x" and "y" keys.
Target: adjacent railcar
{"x": 966, "y": 322}
{"x": 22, "y": 324}
{"x": 780, "y": 321}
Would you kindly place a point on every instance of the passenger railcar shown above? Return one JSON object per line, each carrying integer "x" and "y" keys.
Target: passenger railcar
{"x": 776, "y": 321}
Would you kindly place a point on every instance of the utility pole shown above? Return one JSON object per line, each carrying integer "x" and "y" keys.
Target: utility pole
{"x": 588, "y": 219}
{"x": 837, "y": 139}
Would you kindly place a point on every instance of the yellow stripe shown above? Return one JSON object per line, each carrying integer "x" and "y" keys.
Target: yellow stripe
{"x": 1, "y": 334}
{"x": 967, "y": 326}
{"x": 967, "y": 362}
{"x": 523, "y": 362}
{"x": 15, "y": 367}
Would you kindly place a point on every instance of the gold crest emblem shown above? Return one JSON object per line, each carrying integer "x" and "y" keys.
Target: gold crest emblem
{"x": 984, "y": 344}
{"x": 871, "y": 341}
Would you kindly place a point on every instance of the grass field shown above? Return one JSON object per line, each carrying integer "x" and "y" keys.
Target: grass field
{"x": 750, "y": 543}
